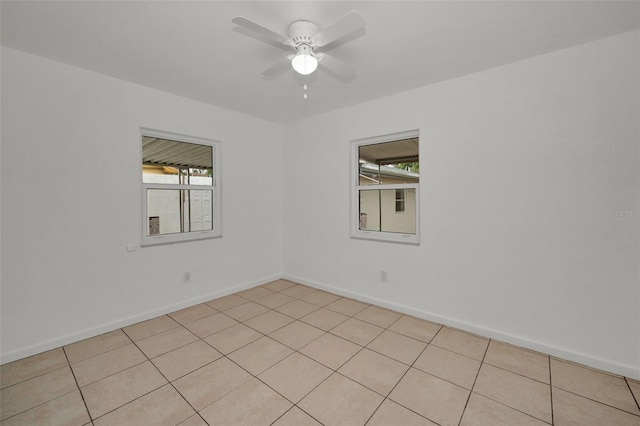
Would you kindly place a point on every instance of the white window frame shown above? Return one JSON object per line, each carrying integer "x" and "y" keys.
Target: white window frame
{"x": 356, "y": 232}
{"x": 215, "y": 188}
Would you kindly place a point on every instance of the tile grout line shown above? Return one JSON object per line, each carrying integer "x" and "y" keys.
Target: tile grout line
{"x": 86, "y": 407}
{"x": 506, "y": 405}
{"x": 377, "y": 353}
{"x": 281, "y": 327}
{"x": 229, "y": 353}
{"x": 466, "y": 404}
{"x": 293, "y": 404}
{"x": 326, "y": 378}
{"x": 410, "y": 365}
{"x": 131, "y": 341}
{"x": 317, "y": 308}
{"x": 153, "y": 390}
{"x": 386, "y": 397}
{"x": 633, "y": 395}
{"x": 225, "y": 394}
{"x": 182, "y": 396}
{"x": 513, "y": 372}
{"x": 551, "y": 388}
{"x": 512, "y": 408}
{"x": 215, "y": 332}
{"x": 174, "y": 349}
{"x": 256, "y": 376}
{"x": 100, "y": 353}
{"x": 598, "y": 402}
{"x": 589, "y": 398}
{"x": 307, "y": 413}
{"x": 283, "y": 414}
{"x": 405, "y": 373}
{"x": 183, "y": 323}
{"x": 551, "y": 391}
{"x": 577, "y": 364}
{"x": 202, "y": 366}
{"x": 153, "y": 334}
{"x": 500, "y": 402}
{"x": 308, "y": 357}
{"x": 35, "y": 377}
{"x": 45, "y": 402}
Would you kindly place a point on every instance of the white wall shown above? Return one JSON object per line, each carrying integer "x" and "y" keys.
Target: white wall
{"x": 71, "y": 202}
{"x": 521, "y": 166}
{"x": 524, "y": 169}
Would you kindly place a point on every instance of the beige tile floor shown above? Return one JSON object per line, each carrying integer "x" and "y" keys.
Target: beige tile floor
{"x": 286, "y": 354}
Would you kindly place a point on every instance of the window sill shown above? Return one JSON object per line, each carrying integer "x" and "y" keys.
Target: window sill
{"x": 178, "y": 238}
{"x": 409, "y": 239}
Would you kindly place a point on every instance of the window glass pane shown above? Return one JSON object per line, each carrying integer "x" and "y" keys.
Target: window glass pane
{"x": 368, "y": 174}
{"x": 163, "y": 211}
{"x": 379, "y": 211}
{"x": 370, "y": 210}
{"x": 173, "y": 211}
{"x": 199, "y": 214}
{"x": 389, "y": 162}
{"x": 201, "y": 176}
{"x": 394, "y": 220}
{"x": 182, "y": 159}
{"x": 159, "y": 174}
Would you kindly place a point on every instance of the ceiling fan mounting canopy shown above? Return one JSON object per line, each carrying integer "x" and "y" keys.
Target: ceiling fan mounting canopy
{"x": 302, "y": 32}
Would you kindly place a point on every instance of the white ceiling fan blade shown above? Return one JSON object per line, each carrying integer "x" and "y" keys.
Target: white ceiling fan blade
{"x": 253, "y": 26}
{"x": 337, "y": 69}
{"x": 349, "y": 23}
{"x": 277, "y": 69}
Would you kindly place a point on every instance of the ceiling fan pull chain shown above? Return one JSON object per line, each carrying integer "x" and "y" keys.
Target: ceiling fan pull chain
{"x": 305, "y": 90}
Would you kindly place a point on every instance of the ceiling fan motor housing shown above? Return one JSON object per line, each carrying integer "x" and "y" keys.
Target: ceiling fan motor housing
{"x": 303, "y": 32}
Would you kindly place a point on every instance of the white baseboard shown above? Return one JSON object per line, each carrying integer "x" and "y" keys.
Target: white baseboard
{"x": 564, "y": 353}
{"x": 124, "y": 322}
{"x": 556, "y": 351}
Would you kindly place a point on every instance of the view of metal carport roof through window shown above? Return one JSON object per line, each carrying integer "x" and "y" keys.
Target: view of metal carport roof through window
{"x": 164, "y": 152}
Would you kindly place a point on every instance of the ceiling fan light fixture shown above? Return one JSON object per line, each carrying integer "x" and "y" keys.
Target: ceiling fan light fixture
{"x": 304, "y": 62}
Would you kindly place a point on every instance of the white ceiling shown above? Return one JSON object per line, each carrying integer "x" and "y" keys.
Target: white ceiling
{"x": 192, "y": 49}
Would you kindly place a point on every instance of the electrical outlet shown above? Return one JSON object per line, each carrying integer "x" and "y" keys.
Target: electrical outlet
{"x": 383, "y": 276}
{"x": 186, "y": 277}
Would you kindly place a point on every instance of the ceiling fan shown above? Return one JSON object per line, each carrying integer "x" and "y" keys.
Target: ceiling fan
{"x": 304, "y": 38}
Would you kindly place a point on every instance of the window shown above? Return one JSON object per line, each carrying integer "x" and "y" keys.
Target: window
{"x": 385, "y": 188}
{"x": 399, "y": 200}
{"x": 180, "y": 188}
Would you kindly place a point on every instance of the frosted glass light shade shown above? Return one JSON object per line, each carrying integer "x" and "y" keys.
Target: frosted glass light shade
{"x": 304, "y": 62}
